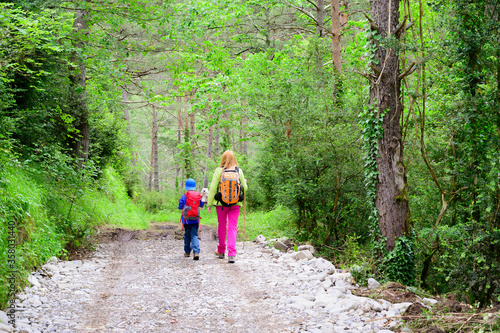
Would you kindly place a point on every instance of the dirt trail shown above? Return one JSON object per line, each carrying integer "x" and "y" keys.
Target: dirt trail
{"x": 148, "y": 285}
{"x": 140, "y": 281}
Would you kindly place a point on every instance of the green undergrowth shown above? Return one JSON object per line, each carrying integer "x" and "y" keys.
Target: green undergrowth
{"x": 49, "y": 212}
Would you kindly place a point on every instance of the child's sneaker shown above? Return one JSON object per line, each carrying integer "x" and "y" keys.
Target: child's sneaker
{"x": 196, "y": 256}
{"x": 187, "y": 254}
{"x": 231, "y": 260}
{"x": 220, "y": 255}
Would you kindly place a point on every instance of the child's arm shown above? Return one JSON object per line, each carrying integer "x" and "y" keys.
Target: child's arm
{"x": 182, "y": 202}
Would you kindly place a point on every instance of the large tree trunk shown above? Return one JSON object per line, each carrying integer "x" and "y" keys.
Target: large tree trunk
{"x": 385, "y": 90}
{"x": 79, "y": 108}
{"x": 153, "y": 174}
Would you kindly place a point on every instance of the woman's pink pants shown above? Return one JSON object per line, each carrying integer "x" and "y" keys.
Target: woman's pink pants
{"x": 228, "y": 221}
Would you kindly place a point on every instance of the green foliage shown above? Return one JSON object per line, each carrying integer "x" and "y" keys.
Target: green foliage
{"x": 275, "y": 223}
{"x": 309, "y": 154}
{"x": 57, "y": 209}
{"x": 153, "y": 201}
{"x": 36, "y": 236}
{"x": 372, "y": 123}
{"x": 361, "y": 273}
{"x": 461, "y": 140}
{"x": 399, "y": 264}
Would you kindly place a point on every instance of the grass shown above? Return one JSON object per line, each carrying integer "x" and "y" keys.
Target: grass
{"x": 52, "y": 216}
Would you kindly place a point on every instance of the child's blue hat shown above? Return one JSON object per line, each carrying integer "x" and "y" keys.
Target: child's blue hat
{"x": 190, "y": 185}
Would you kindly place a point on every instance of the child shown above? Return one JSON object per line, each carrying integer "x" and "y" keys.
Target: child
{"x": 190, "y": 204}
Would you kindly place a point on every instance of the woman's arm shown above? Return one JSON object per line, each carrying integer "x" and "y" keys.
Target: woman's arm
{"x": 243, "y": 180}
{"x": 214, "y": 186}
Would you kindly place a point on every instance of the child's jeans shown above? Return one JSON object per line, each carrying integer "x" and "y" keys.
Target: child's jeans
{"x": 228, "y": 220}
{"x": 191, "y": 241}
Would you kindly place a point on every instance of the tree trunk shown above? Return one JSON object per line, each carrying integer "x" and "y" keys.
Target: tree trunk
{"x": 127, "y": 119}
{"x": 344, "y": 17}
{"x": 79, "y": 108}
{"x": 320, "y": 18}
{"x": 385, "y": 90}
{"x": 227, "y": 132}
{"x": 153, "y": 174}
{"x": 192, "y": 132}
{"x": 187, "y": 151}
{"x": 336, "y": 46}
{"x": 243, "y": 136}
{"x": 216, "y": 142}
{"x": 177, "y": 150}
{"x": 209, "y": 152}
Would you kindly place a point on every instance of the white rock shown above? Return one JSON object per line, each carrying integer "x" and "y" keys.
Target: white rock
{"x": 306, "y": 247}
{"x": 351, "y": 302}
{"x": 50, "y": 268}
{"x": 280, "y": 246}
{"x": 376, "y": 306}
{"x": 342, "y": 283}
{"x": 3, "y": 318}
{"x": 365, "y": 306}
{"x": 52, "y": 260}
{"x": 373, "y": 284}
{"x": 323, "y": 300}
{"x": 429, "y": 301}
{"x": 335, "y": 292}
{"x": 324, "y": 266}
{"x": 327, "y": 283}
{"x": 342, "y": 276}
{"x": 32, "y": 302}
{"x": 306, "y": 254}
{"x": 34, "y": 281}
{"x": 385, "y": 304}
{"x": 343, "y": 290}
{"x": 23, "y": 327}
{"x": 400, "y": 307}
{"x": 6, "y": 328}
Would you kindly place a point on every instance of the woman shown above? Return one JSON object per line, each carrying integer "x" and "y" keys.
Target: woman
{"x": 227, "y": 216}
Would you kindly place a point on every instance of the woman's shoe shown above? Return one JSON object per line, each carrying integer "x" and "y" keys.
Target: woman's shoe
{"x": 196, "y": 256}
{"x": 220, "y": 255}
{"x": 231, "y": 260}
{"x": 187, "y": 254}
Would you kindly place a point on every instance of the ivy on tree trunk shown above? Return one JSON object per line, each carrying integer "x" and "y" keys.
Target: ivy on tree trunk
{"x": 385, "y": 89}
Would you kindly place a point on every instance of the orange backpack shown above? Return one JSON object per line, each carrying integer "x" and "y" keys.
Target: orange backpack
{"x": 230, "y": 191}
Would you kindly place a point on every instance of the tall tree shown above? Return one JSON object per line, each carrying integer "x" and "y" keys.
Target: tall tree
{"x": 385, "y": 90}
{"x": 78, "y": 102}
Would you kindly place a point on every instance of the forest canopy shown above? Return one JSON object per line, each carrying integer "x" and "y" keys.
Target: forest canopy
{"x": 374, "y": 124}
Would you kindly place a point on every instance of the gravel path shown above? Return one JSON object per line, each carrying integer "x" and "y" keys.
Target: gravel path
{"x": 143, "y": 283}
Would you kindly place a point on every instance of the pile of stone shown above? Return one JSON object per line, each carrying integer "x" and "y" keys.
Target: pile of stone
{"x": 327, "y": 291}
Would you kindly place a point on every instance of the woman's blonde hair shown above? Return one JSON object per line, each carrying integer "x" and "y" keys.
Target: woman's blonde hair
{"x": 228, "y": 159}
